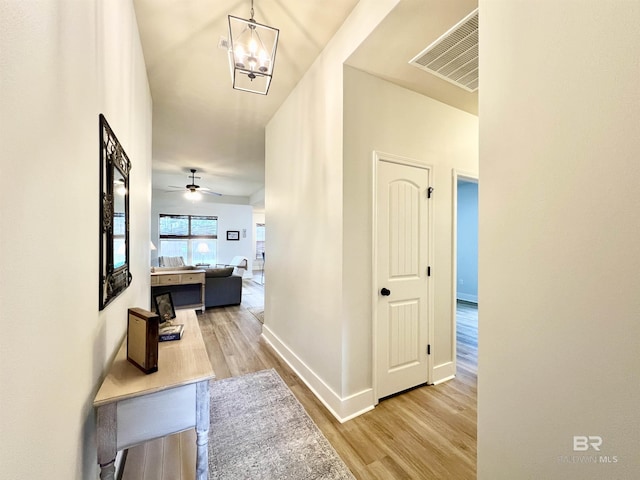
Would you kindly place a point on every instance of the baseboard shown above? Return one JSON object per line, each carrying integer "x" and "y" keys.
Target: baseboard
{"x": 465, "y": 297}
{"x": 444, "y": 372}
{"x": 343, "y": 409}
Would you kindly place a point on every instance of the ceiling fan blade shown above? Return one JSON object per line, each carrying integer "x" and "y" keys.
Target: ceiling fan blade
{"x": 196, "y": 188}
{"x": 208, "y": 191}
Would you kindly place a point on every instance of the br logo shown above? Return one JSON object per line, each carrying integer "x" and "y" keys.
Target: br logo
{"x": 583, "y": 443}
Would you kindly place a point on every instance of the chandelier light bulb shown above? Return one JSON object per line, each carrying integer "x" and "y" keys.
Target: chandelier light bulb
{"x": 263, "y": 61}
{"x": 239, "y": 56}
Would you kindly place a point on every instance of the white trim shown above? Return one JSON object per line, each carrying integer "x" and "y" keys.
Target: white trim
{"x": 374, "y": 278}
{"x": 445, "y": 379}
{"x": 342, "y": 409}
{"x": 455, "y": 176}
{"x": 379, "y": 156}
{"x": 444, "y": 372}
{"x": 431, "y": 261}
{"x": 465, "y": 297}
{"x": 400, "y": 160}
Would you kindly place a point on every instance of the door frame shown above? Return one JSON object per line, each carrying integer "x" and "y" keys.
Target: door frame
{"x": 456, "y": 175}
{"x": 377, "y": 157}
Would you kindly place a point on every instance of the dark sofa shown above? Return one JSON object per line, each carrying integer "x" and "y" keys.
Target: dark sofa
{"x": 222, "y": 287}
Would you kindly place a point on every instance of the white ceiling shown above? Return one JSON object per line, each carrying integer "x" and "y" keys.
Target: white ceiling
{"x": 200, "y": 122}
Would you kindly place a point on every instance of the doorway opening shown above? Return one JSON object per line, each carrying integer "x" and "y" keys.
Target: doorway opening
{"x": 465, "y": 278}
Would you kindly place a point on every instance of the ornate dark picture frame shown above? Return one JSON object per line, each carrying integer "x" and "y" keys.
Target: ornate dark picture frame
{"x": 115, "y": 276}
{"x": 164, "y": 306}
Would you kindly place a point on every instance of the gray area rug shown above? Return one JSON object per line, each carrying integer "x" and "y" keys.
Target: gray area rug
{"x": 259, "y": 430}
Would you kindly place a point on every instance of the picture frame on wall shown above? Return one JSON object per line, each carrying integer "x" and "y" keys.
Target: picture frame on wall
{"x": 164, "y": 307}
{"x": 233, "y": 235}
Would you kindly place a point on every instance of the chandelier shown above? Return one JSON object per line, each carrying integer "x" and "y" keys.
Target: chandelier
{"x": 252, "y": 53}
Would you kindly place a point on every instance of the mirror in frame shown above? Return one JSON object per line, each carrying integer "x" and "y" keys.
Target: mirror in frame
{"x": 115, "y": 276}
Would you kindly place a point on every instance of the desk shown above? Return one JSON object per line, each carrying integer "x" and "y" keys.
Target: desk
{"x": 173, "y": 280}
{"x": 133, "y": 408}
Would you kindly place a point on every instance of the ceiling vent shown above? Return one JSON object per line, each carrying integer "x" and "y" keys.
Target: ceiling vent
{"x": 454, "y": 56}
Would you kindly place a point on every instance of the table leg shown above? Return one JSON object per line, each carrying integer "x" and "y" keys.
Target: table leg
{"x": 106, "y": 440}
{"x": 202, "y": 430}
{"x": 202, "y": 296}
{"x": 108, "y": 472}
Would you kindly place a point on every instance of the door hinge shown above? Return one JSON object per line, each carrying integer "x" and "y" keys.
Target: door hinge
{"x": 428, "y": 271}
{"x": 429, "y": 349}
{"x": 429, "y": 192}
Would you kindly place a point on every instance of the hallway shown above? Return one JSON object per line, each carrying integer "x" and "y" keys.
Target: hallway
{"x": 426, "y": 433}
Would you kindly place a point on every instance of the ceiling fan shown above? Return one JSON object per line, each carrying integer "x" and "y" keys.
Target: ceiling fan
{"x": 193, "y": 190}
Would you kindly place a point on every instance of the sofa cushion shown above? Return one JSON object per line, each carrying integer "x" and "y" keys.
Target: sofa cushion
{"x": 218, "y": 272}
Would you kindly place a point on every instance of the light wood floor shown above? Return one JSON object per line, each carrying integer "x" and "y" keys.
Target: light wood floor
{"x": 425, "y": 433}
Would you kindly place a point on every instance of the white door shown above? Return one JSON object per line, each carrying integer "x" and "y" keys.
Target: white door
{"x": 402, "y": 244}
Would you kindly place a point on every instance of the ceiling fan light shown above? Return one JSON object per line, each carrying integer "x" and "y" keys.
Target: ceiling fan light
{"x": 192, "y": 195}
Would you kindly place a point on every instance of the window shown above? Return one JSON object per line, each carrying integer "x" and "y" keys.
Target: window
{"x": 191, "y": 237}
{"x": 259, "y": 240}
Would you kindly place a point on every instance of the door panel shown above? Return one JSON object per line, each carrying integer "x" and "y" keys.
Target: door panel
{"x": 404, "y": 324}
{"x": 401, "y": 267}
{"x": 403, "y": 229}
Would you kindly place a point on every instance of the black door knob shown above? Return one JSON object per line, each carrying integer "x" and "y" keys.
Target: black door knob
{"x": 385, "y": 292}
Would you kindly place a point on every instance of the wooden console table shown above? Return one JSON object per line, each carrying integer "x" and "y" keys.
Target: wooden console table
{"x": 133, "y": 408}
{"x": 163, "y": 280}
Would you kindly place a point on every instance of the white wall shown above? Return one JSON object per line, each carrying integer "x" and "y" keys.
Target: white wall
{"x": 467, "y": 241}
{"x": 303, "y": 201}
{"x": 384, "y": 117}
{"x": 559, "y": 243}
{"x": 62, "y": 63}
{"x": 231, "y": 216}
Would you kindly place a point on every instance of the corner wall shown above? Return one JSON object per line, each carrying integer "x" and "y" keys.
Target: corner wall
{"x": 559, "y": 245}
{"x": 380, "y": 116}
{"x": 319, "y": 147}
{"x": 303, "y": 206}
{"x": 61, "y": 64}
